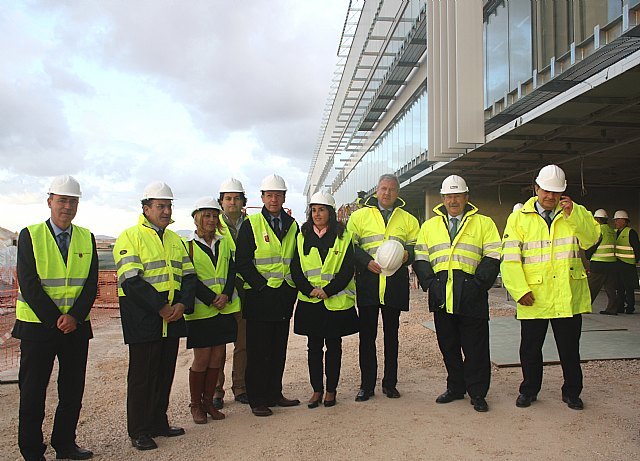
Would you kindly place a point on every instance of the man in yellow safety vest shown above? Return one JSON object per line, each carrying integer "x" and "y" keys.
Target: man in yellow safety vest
{"x": 58, "y": 279}
{"x": 542, "y": 269}
{"x": 602, "y": 262}
{"x": 627, "y": 255}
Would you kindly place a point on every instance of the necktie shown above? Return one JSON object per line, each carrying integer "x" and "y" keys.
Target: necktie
{"x": 160, "y": 233}
{"x": 385, "y": 215}
{"x": 453, "y": 230}
{"x": 275, "y": 224}
{"x": 547, "y": 217}
{"x": 63, "y": 244}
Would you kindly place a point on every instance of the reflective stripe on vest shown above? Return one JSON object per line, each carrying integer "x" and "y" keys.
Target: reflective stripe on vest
{"x": 606, "y": 250}
{"x": 272, "y": 257}
{"x": 138, "y": 251}
{"x": 214, "y": 277}
{"x": 62, "y": 282}
{"x": 319, "y": 274}
{"x": 624, "y": 250}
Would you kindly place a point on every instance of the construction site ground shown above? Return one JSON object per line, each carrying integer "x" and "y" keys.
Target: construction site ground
{"x": 412, "y": 427}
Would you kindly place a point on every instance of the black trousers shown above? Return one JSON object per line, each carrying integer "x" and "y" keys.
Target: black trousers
{"x": 368, "y": 319}
{"x": 597, "y": 280}
{"x": 152, "y": 367}
{"x": 332, "y": 361}
{"x": 458, "y": 334}
{"x": 36, "y": 364}
{"x": 627, "y": 282}
{"x": 266, "y": 357}
{"x": 566, "y": 332}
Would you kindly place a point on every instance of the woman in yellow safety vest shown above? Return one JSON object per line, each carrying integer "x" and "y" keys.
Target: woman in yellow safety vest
{"x": 212, "y": 325}
{"x": 322, "y": 269}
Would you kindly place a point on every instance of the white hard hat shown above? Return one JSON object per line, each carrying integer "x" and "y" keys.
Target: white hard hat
{"x": 273, "y": 182}
{"x": 157, "y": 190}
{"x": 600, "y": 213}
{"x": 551, "y": 178}
{"x": 231, "y": 185}
{"x": 621, "y": 214}
{"x": 323, "y": 198}
{"x": 205, "y": 203}
{"x": 454, "y": 184}
{"x": 65, "y": 185}
{"x": 517, "y": 206}
{"x": 389, "y": 256}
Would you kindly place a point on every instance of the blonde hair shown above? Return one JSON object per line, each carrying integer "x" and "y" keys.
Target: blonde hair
{"x": 198, "y": 216}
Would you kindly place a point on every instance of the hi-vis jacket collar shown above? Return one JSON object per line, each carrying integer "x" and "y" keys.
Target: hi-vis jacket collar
{"x": 469, "y": 209}
{"x": 143, "y": 221}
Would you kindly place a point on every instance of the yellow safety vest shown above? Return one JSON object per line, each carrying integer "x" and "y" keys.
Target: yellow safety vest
{"x": 606, "y": 249}
{"x": 162, "y": 264}
{"x": 369, "y": 232}
{"x": 624, "y": 250}
{"x": 62, "y": 282}
{"x": 319, "y": 274}
{"x": 213, "y": 277}
{"x": 477, "y": 237}
{"x": 272, "y": 257}
{"x": 547, "y": 262}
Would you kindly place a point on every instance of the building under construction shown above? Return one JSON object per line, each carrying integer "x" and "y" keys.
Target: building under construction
{"x": 490, "y": 90}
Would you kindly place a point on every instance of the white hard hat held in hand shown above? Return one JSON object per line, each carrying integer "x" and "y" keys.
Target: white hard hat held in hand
{"x": 454, "y": 184}
{"x": 65, "y": 185}
{"x": 205, "y": 203}
{"x": 323, "y": 198}
{"x": 273, "y": 182}
{"x": 600, "y": 213}
{"x": 621, "y": 214}
{"x": 157, "y": 190}
{"x": 517, "y": 206}
{"x": 231, "y": 185}
{"x": 389, "y": 256}
{"x": 551, "y": 178}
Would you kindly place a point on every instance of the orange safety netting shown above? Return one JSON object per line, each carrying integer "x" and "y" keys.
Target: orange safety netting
{"x": 106, "y": 302}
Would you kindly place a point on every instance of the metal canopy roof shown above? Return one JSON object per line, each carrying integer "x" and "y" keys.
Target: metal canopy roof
{"x": 594, "y": 137}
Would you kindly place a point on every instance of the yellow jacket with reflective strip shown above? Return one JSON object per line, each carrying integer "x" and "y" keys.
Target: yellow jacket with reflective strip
{"x": 62, "y": 282}
{"x": 213, "y": 277}
{"x": 606, "y": 251}
{"x": 319, "y": 274}
{"x": 546, "y": 262}
{"x": 369, "y": 232}
{"x": 272, "y": 257}
{"x": 624, "y": 250}
{"x": 162, "y": 264}
{"x": 477, "y": 238}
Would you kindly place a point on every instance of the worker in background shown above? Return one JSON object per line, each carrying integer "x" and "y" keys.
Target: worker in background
{"x": 602, "y": 259}
{"x": 265, "y": 246}
{"x": 322, "y": 269}
{"x": 361, "y": 199}
{"x": 627, "y": 255}
{"x": 156, "y": 286}
{"x": 212, "y": 325}
{"x": 233, "y": 199}
{"x": 457, "y": 260}
{"x": 382, "y": 218}
{"x": 542, "y": 269}
{"x": 57, "y": 270}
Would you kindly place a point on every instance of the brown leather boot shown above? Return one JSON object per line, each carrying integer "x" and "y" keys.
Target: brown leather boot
{"x": 209, "y": 391}
{"x": 196, "y": 388}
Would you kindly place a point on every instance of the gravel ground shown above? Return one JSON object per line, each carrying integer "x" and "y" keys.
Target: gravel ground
{"x": 412, "y": 427}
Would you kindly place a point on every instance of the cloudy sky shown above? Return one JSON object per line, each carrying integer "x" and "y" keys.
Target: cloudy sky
{"x": 119, "y": 93}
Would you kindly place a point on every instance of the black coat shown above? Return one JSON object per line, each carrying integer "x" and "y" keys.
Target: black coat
{"x": 262, "y": 302}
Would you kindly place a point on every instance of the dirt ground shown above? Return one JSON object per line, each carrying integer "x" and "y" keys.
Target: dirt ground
{"x": 412, "y": 427}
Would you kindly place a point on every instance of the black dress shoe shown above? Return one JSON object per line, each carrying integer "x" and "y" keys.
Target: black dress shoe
{"x": 261, "y": 411}
{"x": 171, "y": 431}
{"x": 479, "y": 404}
{"x": 449, "y": 396}
{"x": 218, "y": 403}
{"x": 144, "y": 442}
{"x": 363, "y": 395}
{"x": 391, "y": 392}
{"x": 242, "y": 398}
{"x": 575, "y": 403}
{"x": 330, "y": 403}
{"x": 629, "y": 311}
{"x": 315, "y": 403}
{"x": 608, "y": 313}
{"x": 524, "y": 400}
{"x": 75, "y": 452}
